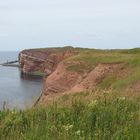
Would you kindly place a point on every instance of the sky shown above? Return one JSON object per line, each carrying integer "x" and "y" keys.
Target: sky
{"x": 101, "y": 24}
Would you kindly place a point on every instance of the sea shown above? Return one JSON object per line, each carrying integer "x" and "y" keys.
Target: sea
{"x": 16, "y": 90}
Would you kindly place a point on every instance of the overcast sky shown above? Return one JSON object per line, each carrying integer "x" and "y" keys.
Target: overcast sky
{"x": 102, "y": 24}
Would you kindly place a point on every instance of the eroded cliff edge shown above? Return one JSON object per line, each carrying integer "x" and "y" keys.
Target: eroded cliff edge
{"x": 68, "y": 70}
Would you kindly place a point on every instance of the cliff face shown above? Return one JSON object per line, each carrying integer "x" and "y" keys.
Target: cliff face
{"x": 37, "y": 61}
{"x": 70, "y": 70}
{"x": 63, "y": 81}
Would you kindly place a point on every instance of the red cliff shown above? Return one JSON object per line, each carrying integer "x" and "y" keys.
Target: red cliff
{"x": 43, "y": 61}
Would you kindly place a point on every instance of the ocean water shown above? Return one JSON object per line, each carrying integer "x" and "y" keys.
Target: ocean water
{"x": 17, "y": 91}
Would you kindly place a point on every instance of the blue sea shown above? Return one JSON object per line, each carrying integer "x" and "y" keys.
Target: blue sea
{"x": 17, "y": 91}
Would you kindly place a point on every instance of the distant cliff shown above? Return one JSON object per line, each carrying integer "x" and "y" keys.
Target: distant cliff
{"x": 43, "y": 61}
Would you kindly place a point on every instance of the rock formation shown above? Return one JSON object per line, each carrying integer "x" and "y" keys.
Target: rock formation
{"x": 59, "y": 78}
{"x": 62, "y": 81}
{"x": 44, "y": 61}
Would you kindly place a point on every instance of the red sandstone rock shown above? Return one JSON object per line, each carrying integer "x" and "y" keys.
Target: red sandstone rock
{"x": 63, "y": 81}
{"x": 43, "y": 60}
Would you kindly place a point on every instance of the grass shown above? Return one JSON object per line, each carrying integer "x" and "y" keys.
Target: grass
{"x": 54, "y": 49}
{"x": 90, "y": 58}
{"x": 106, "y": 117}
{"x": 107, "y": 81}
{"x": 123, "y": 83}
{"x": 38, "y": 73}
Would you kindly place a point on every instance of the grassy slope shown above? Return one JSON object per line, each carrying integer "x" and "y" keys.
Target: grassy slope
{"x": 91, "y": 58}
{"x": 102, "y": 118}
{"x": 104, "y": 114}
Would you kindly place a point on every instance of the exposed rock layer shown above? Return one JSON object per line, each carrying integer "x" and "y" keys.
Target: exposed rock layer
{"x": 43, "y": 60}
{"x": 62, "y": 81}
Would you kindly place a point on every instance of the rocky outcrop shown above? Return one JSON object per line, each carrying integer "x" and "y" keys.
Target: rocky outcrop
{"x": 43, "y": 61}
{"x": 63, "y": 81}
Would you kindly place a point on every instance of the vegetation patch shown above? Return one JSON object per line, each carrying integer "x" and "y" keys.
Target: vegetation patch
{"x": 103, "y": 117}
{"x": 107, "y": 81}
{"x": 123, "y": 83}
{"x": 38, "y": 73}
